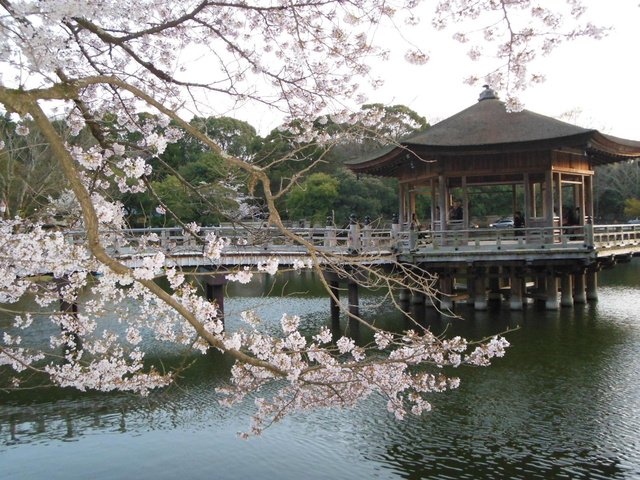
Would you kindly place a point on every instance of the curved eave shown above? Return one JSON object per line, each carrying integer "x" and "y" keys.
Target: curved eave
{"x": 382, "y": 163}
{"x": 391, "y": 160}
{"x": 604, "y": 149}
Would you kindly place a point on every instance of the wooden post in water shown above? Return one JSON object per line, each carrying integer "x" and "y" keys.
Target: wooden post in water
{"x": 446, "y": 289}
{"x": 566, "y": 290}
{"x": 480, "y": 290}
{"x": 551, "y": 294}
{"x": 470, "y": 289}
{"x": 592, "y": 284}
{"x": 517, "y": 284}
{"x": 579, "y": 288}
{"x": 214, "y": 286}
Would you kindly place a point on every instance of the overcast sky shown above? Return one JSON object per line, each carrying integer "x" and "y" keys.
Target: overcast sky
{"x": 598, "y": 78}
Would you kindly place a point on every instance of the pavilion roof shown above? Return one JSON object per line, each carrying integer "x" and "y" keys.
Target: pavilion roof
{"x": 487, "y": 127}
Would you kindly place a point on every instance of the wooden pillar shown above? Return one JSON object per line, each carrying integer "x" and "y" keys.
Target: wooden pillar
{"x": 548, "y": 199}
{"x": 579, "y": 288}
{"x": 551, "y": 294}
{"x": 588, "y": 197}
{"x": 558, "y": 200}
{"x": 529, "y": 204}
{"x": 517, "y": 284}
{"x": 566, "y": 289}
{"x": 435, "y": 210}
{"x": 592, "y": 285}
{"x": 412, "y": 203}
{"x": 443, "y": 201}
{"x": 214, "y": 285}
{"x": 405, "y": 214}
{"x": 465, "y": 204}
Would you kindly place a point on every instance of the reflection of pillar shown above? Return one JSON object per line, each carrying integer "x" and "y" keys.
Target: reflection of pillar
{"x": 404, "y": 296}
{"x": 335, "y": 308}
{"x": 540, "y": 287}
{"x": 69, "y": 328}
{"x": 215, "y": 291}
{"x": 566, "y": 289}
{"x": 551, "y": 294}
{"x": 592, "y": 285}
{"x": 417, "y": 298}
{"x": 579, "y": 288}
{"x": 515, "y": 298}
{"x": 353, "y": 298}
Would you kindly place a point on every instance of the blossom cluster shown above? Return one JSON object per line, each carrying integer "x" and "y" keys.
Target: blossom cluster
{"x": 323, "y": 373}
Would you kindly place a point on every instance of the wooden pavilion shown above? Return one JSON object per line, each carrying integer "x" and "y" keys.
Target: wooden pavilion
{"x": 548, "y": 167}
{"x": 547, "y": 163}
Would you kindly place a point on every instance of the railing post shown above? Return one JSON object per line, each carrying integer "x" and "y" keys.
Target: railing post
{"x": 588, "y": 232}
{"x": 395, "y": 231}
{"x": 330, "y": 233}
{"x": 354, "y": 234}
{"x": 366, "y": 232}
{"x": 413, "y": 237}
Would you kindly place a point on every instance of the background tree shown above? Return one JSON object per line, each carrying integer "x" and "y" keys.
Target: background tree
{"x": 632, "y": 208}
{"x": 29, "y": 174}
{"x": 314, "y": 198}
{"x": 615, "y": 185}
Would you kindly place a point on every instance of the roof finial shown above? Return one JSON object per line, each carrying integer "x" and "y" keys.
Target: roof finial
{"x": 487, "y": 94}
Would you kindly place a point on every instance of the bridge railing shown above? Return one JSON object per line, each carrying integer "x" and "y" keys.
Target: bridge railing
{"x": 620, "y": 234}
{"x": 365, "y": 239}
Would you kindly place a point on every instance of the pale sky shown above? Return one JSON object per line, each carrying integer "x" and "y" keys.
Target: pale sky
{"x": 598, "y": 78}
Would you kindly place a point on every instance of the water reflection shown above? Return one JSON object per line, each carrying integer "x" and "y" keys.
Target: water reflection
{"x": 564, "y": 403}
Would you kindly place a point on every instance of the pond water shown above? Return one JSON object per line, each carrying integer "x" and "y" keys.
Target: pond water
{"x": 563, "y": 403}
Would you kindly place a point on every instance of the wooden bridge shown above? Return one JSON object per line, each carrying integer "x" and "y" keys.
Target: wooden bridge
{"x": 489, "y": 263}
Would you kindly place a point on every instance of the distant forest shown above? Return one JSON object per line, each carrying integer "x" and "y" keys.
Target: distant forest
{"x": 195, "y": 184}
